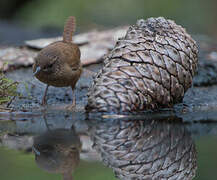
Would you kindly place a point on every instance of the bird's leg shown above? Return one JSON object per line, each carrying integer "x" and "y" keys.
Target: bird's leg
{"x": 44, "y": 100}
{"x": 72, "y": 106}
{"x": 73, "y": 98}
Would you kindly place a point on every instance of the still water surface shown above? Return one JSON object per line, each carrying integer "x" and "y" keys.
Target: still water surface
{"x": 44, "y": 147}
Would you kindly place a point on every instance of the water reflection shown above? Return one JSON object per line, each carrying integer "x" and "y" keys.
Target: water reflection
{"x": 138, "y": 149}
{"x": 145, "y": 146}
{"x": 57, "y": 151}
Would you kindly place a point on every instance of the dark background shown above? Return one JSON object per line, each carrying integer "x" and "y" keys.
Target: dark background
{"x": 29, "y": 19}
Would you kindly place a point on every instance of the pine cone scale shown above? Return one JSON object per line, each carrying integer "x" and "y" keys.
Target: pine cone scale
{"x": 153, "y": 65}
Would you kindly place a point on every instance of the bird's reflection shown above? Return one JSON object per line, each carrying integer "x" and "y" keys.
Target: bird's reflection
{"x": 138, "y": 149}
{"x": 57, "y": 151}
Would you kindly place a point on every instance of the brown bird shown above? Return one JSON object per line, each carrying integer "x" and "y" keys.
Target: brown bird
{"x": 58, "y": 64}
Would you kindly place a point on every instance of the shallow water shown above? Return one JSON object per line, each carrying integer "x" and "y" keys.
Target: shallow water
{"x": 131, "y": 146}
{"x": 21, "y": 166}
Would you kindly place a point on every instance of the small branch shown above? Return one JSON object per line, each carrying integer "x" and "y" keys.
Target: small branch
{"x": 9, "y": 103}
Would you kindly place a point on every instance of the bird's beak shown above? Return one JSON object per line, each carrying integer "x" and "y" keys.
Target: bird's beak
{"x": 36, "y": 151}
{"x": 37, "y": 70}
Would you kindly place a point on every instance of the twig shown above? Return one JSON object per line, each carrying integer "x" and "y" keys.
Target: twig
{"x": 9, "y": 103}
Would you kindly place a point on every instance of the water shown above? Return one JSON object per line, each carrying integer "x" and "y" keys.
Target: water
{"x": 21, "y": 166}
{"x": 142, "y": 146}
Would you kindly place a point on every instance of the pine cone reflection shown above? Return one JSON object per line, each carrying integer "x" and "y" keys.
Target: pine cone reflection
{"x": 151, "y": 67}
{"x": 138, "y": 150}
{"x": 57, "y": 151}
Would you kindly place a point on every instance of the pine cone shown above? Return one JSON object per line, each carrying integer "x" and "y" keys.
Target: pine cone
{"x": 145, "y": 149}
{"x": 151, "y": 67}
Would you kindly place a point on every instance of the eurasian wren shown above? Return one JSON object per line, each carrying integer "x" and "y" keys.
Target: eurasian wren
{"x": 58, "y": 64}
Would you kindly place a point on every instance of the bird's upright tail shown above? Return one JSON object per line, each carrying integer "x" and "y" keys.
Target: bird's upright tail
{"x": 69, "y": 29}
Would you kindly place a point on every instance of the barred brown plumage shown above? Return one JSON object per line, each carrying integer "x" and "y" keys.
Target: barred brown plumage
{"x": 58, "y": 64}
{"x": 151, "y": 67}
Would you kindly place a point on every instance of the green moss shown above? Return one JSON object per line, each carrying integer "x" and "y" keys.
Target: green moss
{"x": 8, "y": 88}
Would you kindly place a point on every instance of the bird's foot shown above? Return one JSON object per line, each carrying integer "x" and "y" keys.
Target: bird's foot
{"x": 44, "y": 99}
